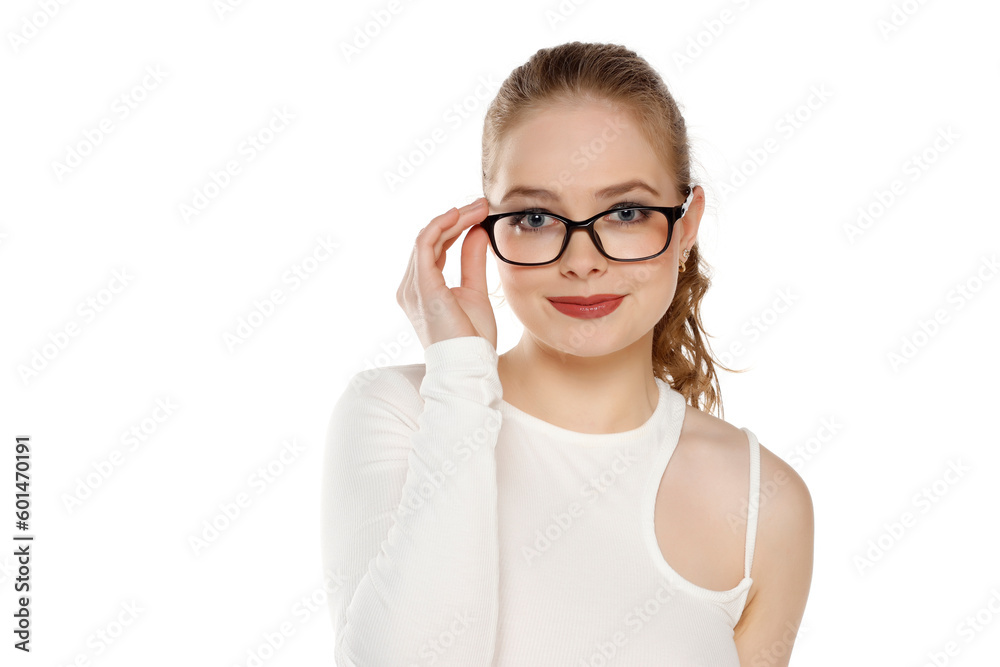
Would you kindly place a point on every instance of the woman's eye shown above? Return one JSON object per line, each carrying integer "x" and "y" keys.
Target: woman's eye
{"x": 530, "y": 219}
{"x": 627, "y": 216}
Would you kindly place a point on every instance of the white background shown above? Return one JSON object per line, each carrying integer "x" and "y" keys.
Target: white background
{"x": 190, "y": 282}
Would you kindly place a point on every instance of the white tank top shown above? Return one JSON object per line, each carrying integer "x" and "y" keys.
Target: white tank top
{"x": 522, "y": 543}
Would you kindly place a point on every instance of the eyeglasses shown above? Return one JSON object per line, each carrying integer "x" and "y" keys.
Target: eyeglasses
{"x": 534, "y": 238}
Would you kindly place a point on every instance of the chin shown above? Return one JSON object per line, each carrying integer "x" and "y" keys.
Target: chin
{"x": 587, "y": 338}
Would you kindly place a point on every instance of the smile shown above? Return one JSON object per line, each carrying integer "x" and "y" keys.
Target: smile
{"x": 588, "y": 311}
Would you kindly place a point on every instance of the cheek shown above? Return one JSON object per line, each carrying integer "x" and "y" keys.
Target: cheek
{"x": 653, "y": 280}
{"x": 524, "y": 289}
{"x": 516, "y": 281}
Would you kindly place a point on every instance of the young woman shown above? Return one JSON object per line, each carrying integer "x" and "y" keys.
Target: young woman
{"x": 566, "y": 502}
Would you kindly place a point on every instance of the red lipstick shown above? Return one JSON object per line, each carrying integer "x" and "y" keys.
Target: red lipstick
{"x": 587, "y": 307}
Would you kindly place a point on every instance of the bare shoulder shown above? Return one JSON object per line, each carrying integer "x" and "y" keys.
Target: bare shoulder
{"x": 784, "y": 553}
{"x": 782, "y": 563}
{"x": 725, "y": 449}
{"x": 717, "y": 451}
{"x": 714, "y": 457}
{"x": 713, "y": 436}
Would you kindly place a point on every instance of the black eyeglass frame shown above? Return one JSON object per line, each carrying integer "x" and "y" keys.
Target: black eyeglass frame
{"x": 673, "y": 214}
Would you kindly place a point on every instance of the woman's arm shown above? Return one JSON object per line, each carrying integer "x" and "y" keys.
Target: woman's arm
{"x": 409, "y": 514}
{"x": 782, "y": 568}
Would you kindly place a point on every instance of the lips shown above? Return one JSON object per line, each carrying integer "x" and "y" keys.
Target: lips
{"x": 585, "y": 300}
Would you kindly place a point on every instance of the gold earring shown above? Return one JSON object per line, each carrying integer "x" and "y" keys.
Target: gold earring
{"x": 686, "y": 253}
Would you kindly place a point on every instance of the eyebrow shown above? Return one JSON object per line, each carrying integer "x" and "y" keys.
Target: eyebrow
{"x": 604, "y": 193}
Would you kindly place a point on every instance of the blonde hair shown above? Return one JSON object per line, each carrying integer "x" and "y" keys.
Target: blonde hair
{"x": 579, "y": 72}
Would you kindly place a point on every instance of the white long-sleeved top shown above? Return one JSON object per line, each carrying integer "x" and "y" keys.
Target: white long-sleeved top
{"x": 466, "y": 532}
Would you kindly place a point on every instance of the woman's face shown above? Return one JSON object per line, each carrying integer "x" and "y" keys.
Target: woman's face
{"x": 573, "y": 152}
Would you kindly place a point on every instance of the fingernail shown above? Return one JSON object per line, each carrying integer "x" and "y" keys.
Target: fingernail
{"x": 479, "y": 202}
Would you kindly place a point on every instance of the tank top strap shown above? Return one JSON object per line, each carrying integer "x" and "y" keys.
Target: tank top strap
{"x": 753, "y": 502}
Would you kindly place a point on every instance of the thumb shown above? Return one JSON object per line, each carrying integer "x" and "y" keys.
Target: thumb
{"x": 474, "y": 259}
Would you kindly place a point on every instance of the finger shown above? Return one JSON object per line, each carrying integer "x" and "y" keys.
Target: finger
{"x": 474, "y": 259}
{"x": 468, "y": 215}
{"x": 455, "y": 232}
{"x": 437, "y": 227}
{"x": 444, "y": 229}
{"x": 427, "y": 254}
{"x": 442, "y": 258}
{"x": 441, "y": 247}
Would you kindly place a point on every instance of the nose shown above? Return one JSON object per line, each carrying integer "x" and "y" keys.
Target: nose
{"x": 581, "y": 255}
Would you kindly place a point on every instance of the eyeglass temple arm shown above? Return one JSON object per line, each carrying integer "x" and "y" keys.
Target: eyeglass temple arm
{"x": 687, "y": 202}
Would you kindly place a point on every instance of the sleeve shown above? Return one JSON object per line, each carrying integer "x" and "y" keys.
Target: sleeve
{"x": 409, "y": 514}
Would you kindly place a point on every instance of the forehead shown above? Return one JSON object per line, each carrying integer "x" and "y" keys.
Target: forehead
{"x": 574, "y": 151}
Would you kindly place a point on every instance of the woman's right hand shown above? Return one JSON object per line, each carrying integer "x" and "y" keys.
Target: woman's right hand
{"x": 439, "y": 312}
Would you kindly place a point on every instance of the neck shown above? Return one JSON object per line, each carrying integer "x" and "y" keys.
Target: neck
{"x": 610, "y": 393}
